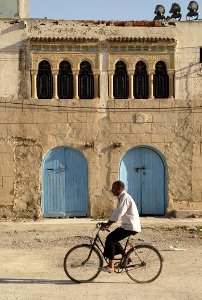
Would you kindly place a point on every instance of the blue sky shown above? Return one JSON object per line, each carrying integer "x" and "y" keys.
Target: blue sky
{"x": 103, "y": 9}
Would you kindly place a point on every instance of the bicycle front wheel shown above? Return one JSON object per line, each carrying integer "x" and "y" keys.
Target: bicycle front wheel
{"x": 143, "y": 263}
{"x": 83, "y": 263}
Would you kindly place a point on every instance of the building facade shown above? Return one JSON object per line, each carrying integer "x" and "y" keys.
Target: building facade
{"x": 84, "y": 103}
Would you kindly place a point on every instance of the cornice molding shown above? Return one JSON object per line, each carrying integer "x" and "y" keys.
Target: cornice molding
{"x": 141, "y": 39}
{"x": 63, "y": 39}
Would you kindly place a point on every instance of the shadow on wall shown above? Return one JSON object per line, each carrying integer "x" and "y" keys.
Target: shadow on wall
{"x": 192, "y": 68}
{"x": 192, "y": 72}
{"x": 15, "y": 25}
{"x": 19, "y": 49}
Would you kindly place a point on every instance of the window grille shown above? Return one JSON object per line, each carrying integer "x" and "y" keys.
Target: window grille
{"x": 65, "y": 81}
{"x": 121, "y": 87}
{"x": 86, "y": 81}
{"x": 161, "y": 81}
{"x": 141, "y": 83}
{"x": 44, "y": 81}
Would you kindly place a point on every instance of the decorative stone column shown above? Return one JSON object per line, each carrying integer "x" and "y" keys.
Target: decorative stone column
{"x": 151, "y": 84}
{"x": 131, "y": 84}
{"x": 96, "y": 85}
{"x": 171, "y": 84}
{"x": 55, "y": 84}
{"x": 111, "y": 84}
{"x": 76, "y": 83}
{"x": 34, "y": 84}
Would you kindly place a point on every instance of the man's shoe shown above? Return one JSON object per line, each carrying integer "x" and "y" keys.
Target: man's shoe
{"x": 123, "y": 264}
{"x": 129, "y": 261}
{"x": 107, "y": 269}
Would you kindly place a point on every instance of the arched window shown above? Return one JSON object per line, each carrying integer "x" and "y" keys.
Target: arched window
{"x": 161, "y": 81}
{"x": 121, "y": 90}
{"x": 65, "y": 81}
{"x": 141, "y": 84}
{"x": 86, "y": 81}
{"x": 44, "y": 81}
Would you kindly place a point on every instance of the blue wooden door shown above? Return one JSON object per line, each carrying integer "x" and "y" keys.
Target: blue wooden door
{"x": 64, "y": 190}
{"x": 143, "y": 172}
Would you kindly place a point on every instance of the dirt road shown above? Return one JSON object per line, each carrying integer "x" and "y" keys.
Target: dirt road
{"x": 32, "y": 262}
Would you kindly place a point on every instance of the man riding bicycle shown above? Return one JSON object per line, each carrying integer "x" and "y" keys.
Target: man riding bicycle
{"x": 127, "y": 211}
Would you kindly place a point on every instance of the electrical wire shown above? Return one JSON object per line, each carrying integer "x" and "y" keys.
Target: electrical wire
{"x": 99, "y": 109}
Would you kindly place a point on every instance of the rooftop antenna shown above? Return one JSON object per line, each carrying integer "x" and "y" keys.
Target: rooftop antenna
{"x": 176, "y": 12}
{"x": 159, "y": 11}
{"x": 193, "y": 11}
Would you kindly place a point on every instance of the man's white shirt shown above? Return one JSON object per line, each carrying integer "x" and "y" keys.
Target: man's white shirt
{"x": 127, "y": 211}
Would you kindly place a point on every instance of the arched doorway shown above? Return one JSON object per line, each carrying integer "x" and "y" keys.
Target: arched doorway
{"x": 143, "y": 171}
{"x": 65, "y": 81}
{"x": 161, "y": 81}
{"x": 44, "y": 81}
{"x": 86, "y": 81}
{"x": 121, "y": 87}
{"x": 65, "y": 183}
{"x": 141, "y": 82}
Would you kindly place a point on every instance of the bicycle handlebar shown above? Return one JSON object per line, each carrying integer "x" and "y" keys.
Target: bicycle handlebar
{"x": 98, "y": 225}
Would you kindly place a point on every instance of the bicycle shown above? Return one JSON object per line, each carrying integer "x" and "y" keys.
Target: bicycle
{"x": 142, "y": 262}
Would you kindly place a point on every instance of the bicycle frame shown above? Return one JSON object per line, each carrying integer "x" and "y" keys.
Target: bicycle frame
{"x": 136, "y": 256}
{"x": 96, "y": 245}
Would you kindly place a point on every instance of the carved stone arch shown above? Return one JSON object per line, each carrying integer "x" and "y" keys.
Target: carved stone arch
{"x": 40, "y": 59}
{"x": 65, "y": 59}
{"x": 166, "y": 61}
{"x": 89, "y": 61}
{"x": 143, "y": 60}
{"x": 123, "y": 60}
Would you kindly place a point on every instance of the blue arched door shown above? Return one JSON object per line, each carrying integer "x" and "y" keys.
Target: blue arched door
{"x": 65, "y": 186}
{"x": 143, "y": 172}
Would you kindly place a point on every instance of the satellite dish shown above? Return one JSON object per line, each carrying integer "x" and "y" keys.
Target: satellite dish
{"x": 176, "y": 12}
{"x": 159, "y": 11}
{"x": 193, "y": 10}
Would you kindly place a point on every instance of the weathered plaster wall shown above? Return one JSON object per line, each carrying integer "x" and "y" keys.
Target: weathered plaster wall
{"x": 23, "y": 7}
{"x": 30, "y": 128}
{"x": 6, "y": 174}
{"x": 27, "y": 157}
{"x": 14, "y": 75}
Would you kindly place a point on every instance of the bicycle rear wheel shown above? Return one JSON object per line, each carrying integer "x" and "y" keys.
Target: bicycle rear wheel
{"x": 83, "y": 263}
{"x": 145, "y": 263}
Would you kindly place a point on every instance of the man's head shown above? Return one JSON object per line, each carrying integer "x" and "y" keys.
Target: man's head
{"x": 117, "y": 188}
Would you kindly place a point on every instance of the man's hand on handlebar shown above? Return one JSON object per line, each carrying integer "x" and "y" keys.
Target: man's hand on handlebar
{"x": 104, "y": 226}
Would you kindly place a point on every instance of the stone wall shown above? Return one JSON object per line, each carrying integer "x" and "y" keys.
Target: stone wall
{"x": 6, "y": 174}
{"x": 30, "y": 128}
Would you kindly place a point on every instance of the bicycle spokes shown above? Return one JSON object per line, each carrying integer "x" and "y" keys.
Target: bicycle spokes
{"x": 82, "y": 263}
{"x": 145, "y": 265}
